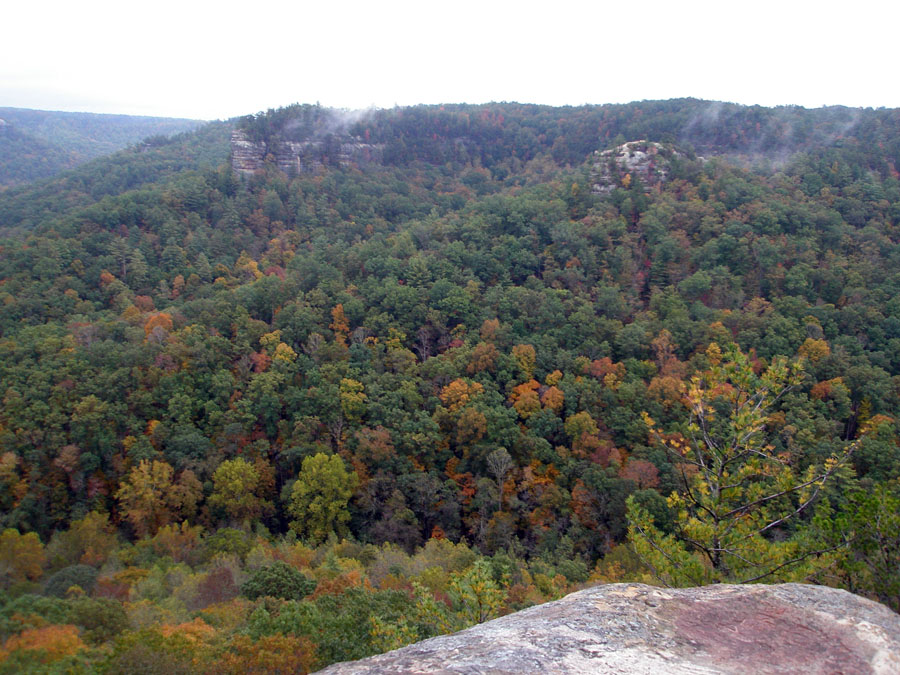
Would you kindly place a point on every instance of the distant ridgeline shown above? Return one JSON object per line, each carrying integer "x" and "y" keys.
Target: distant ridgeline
{"x": 305, "y": 138}
{"x": 37, "y": 144}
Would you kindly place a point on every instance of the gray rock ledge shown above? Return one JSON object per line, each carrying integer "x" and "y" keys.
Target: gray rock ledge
{"x": 633, "y": 628}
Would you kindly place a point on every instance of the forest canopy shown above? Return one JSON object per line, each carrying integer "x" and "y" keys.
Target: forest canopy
{"x": 318, "y": 415}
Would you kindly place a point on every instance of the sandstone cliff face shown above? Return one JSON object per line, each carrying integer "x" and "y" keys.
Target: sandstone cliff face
{"x": 292, "y": 157}
{"x": 632, "y": 628}
{"x": 642, "y": 160}
{"x": 246, "y": 156}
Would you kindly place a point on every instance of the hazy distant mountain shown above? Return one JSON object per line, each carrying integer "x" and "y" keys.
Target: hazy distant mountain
{"x": 38, "y": 143}
{"x": 152, "y": 160}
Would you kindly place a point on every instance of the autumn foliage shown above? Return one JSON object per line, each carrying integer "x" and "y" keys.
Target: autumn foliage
{"x": 432, "y": 367}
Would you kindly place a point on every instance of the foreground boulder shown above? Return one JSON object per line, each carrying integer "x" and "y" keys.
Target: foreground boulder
{"x": 633, "y": 628}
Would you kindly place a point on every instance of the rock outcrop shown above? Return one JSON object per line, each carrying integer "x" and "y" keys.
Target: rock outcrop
{"x": 248, "y": 156}
{"x": 633, "y": 628}
{"x": 646, "y": 161}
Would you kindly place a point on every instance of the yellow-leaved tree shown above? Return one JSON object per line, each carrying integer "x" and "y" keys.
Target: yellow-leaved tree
{"x": 21, "y": 557}
{"x": 150, "y": 497}
{"x": 238, "y": 491}
{"x": 319, "y": 497}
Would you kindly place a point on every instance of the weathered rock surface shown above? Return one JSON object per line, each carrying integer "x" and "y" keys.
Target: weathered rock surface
{"x": 644, "y": 160}
{"x": 633, "y": 628}
{"x": 294, "y": 157}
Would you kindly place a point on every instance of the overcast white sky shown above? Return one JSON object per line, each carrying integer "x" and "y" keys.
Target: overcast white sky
{"x": 208, "y": 60}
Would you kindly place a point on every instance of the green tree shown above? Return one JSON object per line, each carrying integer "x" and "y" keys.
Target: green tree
{"x": 474, "y": 595}
{"x": 870, "y": 528}
{"x": 236, "y": 486}
{"x": 739, "y": 499}
{"x": 139, "y": 270}
{"x": 101, "y": 619}
{"x": 82, "y": 576}
{"x": 278, "y": 580}
{"x": 320, "y": 496}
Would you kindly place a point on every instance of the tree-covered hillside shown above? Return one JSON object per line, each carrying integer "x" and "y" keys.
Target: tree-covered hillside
{"x": 320, "y": 415}
{"x": 571, "y": 133}
{"x": 37, "y": 144}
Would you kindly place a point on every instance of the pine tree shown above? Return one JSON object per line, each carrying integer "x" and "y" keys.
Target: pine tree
{"x": 739, "y": 498}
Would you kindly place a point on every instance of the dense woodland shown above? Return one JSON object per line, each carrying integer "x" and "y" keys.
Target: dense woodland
{"x": 286, "y": 420}
{"x": 37, "y": 144}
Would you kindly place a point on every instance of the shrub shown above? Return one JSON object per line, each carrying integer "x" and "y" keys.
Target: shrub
{"x": 100, "y": 618}
{"x": 278, "y": 580}
{"x": 229, "y": 540}
{"x": 83, "y": 576}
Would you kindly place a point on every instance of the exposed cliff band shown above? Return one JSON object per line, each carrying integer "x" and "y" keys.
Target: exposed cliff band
{"x": 293, "y": 157}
